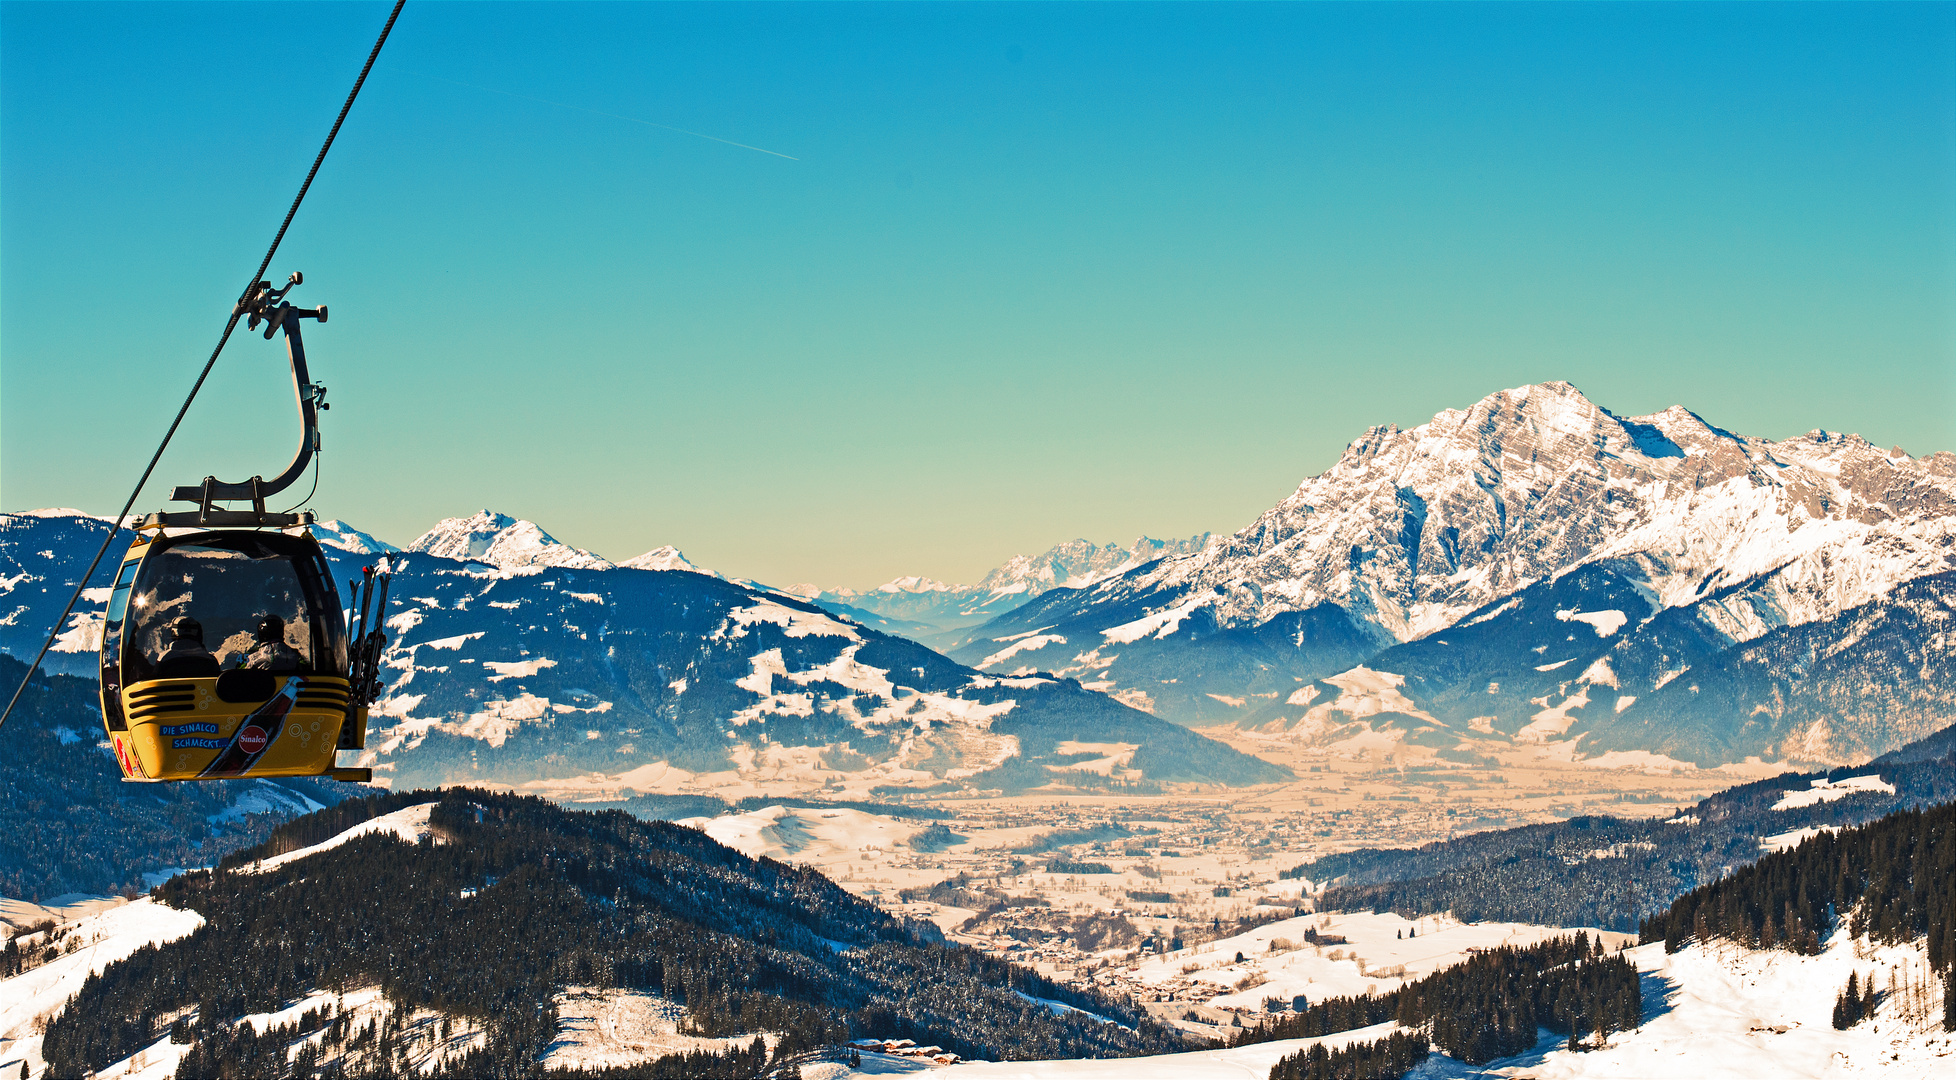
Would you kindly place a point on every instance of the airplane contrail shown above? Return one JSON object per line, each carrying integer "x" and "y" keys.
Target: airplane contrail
{"x": 601, "y": 112}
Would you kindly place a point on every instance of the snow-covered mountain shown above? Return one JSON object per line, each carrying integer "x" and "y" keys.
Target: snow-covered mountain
{"x": 933, "y": 607}
{"x": 42, "y": 553}
{"x": 1703, "y": 547}
{"x": 349, "y": 539}
{"x": 520, "y": 659}
{"x": 504, "y": 541}
{"x": 665, "y": 558}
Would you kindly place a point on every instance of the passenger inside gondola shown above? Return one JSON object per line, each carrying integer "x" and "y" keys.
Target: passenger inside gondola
{"x": 221, "y": 604}
{"x": 186, "y": 657}
{"x": 269, "y": 651}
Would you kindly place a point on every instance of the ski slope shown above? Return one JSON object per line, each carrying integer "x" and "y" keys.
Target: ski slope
{"x": 1721, "y": 1012}
{"x": 100, "y": 939}
{"x": 1381, "y": 952}
{"x": 410, "y": 824}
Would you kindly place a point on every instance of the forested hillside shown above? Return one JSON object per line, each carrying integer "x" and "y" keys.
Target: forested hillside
{"x": 1940, "y": 745}
{"x": 1613, "y": 872}
{"x": 1488, "y": 1007}
{"x": 69, "y": 824}
{"x": 1891, "y": 880}
{"x": 511, "y": 899}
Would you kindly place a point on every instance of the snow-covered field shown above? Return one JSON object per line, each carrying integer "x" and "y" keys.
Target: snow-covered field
{"x": 599, "y": 1028}
{"x": 1715, "y": 1012}
{"x": 61, "y": 909}
{"x": 1827, "y": 791}
{"x": 29, "y": 999}
{"x": 1241, "y": 1063}
{"x": 1380, "y": 953}
{"x": 803, "y": 835}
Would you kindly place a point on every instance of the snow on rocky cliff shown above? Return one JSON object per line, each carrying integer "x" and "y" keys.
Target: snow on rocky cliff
{"x": 1411, "y": 530}
{"x": 1547, "y": 530}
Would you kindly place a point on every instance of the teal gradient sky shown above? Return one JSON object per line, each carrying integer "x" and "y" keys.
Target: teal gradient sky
{"x": 1033, "y": 272}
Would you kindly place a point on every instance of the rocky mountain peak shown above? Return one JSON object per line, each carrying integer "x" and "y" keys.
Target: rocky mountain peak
{"x": 504, "y": 541}
{"x": 915, "y": 584}
{"x": 1411, "y": 529}
{"x": 665, "y": 558}
{"x": 339, "y": 534}
{"x": 1076, "y": 564}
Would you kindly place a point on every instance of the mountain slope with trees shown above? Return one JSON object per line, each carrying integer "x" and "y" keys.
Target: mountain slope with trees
{"x": 1613, "y": 872}
{"x": 566, "y": 897}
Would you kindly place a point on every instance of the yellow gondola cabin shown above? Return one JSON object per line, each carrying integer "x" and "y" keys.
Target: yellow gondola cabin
{"x": 224, "y": 654}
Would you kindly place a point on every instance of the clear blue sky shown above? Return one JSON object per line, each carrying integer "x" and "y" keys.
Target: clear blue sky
{"x": 1034, "y": 272}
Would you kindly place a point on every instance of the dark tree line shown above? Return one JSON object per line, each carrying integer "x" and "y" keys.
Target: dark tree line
{"x": 1386, "y": 1059}
{"x": 513, "y": 898}
{"x": 1550, "y": 873}
{"x": 1491, "y": 1005}
{"x": 1893, "y": 880}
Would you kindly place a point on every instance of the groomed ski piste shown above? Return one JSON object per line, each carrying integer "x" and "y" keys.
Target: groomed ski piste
{"x": 1712, "y": 1011}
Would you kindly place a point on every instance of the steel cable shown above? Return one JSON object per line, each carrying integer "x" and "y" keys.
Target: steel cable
{"x": 237, "y": 311}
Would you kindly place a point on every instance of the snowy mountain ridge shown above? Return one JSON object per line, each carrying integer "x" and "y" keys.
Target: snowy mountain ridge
{"x": 666, "y": 558}
{"x": 545, "y": 667}
{"x": 349, "y": 539}
{"x": 1413, "y": 529}
{"x": 513, "y": 543}
{"x": 507, "y": 542}
{"x": 1678, "y": 546}
{"x": 504, "y": 541}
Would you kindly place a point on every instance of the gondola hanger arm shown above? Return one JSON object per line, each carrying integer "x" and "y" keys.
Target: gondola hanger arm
{"x": 264, "y": 304}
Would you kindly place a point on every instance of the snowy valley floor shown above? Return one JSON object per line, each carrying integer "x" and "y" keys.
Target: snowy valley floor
{"x": 1717, "y": 1013}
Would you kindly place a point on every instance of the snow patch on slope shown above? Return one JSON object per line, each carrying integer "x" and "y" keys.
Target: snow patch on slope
{"x": 410, "y": 824}
{"x": 1824, "y": 790}
{"x": 107, "y": 936}
{"x": 1159, "y": 625}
